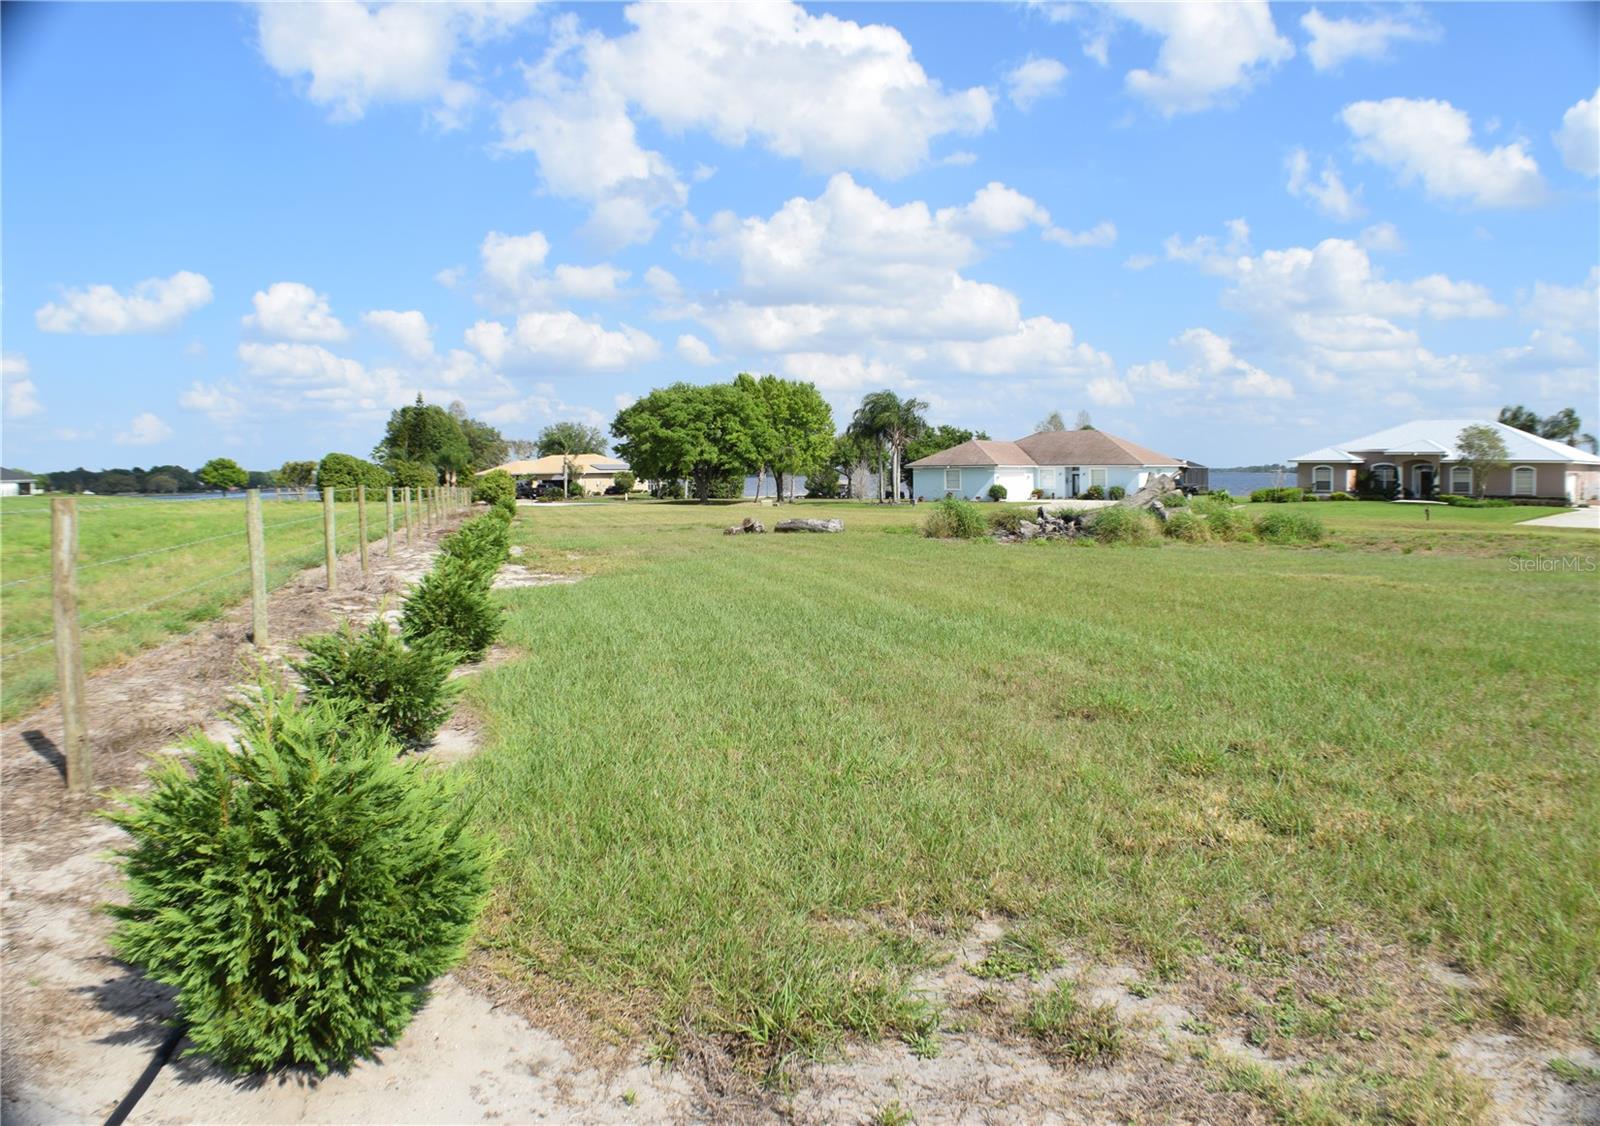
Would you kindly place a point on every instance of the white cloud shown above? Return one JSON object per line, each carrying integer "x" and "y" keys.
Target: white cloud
{"x": 514, "y": 267}
{"x": 450, "y": 276}
{"x": 409, "y": 331}
{"x": 663, "y": 286}
{"x": 1383, "y": 238}
{"x": 695, "y": 350}
{"x": 995, "y": 210}
{"x": 1578, "y": 139}
{"x": 837, "y": 373}
{"x": 1109, "y": 392}
{"x": 21, "y": 396}
{"x": 293, "y": 311}
{"x": 144, "y": 430}
{"x": 1101, "y": 234}
{"x": 1034, "y": 79}
{"x": 351, "y": 55}
{"x": 826, "y": 91}
{"x": 1327, "y": 192}
{"x": 1573, "y": 309}
{"x": 561, "y": 340}
{"x": 1431, "y": 141}
{"x": 1207, "y": 51}
{"x": 592, "y": 283}
{"x": 1336, "y": 41}
{"x": 154, "y": 305}
{"x": 1213, "y": 369}
{"x": 1337, "y": 276}
{"x": 219, "y": 402}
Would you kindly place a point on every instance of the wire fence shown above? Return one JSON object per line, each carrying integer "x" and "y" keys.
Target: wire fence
{"x": 146, "y": 569}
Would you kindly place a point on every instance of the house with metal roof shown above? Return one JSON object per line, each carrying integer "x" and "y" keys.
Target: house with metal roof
{"x": 1057, "y": 463}
{"x": 15, "y": 483}
{"x": 1419, "y": 460}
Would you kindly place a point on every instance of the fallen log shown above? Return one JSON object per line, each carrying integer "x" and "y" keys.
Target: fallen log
{"x": 810, "y": 526}
{"x": 749, "y": 526}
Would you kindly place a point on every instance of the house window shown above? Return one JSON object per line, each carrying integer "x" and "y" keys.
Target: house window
{"x": 1524, "y": 481}
{"x": 1322, "y": 479}
{"x": 1097, "y": 477}
{"x": 1461, "y": 480}
{"x": 952, "y": 480}
{"x": 1384, "y": 477}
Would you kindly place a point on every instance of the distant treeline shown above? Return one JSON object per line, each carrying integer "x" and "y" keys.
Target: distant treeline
{"x": 156, "y": 479}
{"x": 1249, "y": 468}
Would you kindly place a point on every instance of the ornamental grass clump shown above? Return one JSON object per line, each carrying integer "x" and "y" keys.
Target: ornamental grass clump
{"x": 450, "y": 608}
{"x": 1289, "y": 527}
{"x": 1187, "y": 526}
{"x": 404, "y": 689}
{"x": 955, "y": 519}
{"x": 1123, "y": 525}
{"x": 298, "y": 892}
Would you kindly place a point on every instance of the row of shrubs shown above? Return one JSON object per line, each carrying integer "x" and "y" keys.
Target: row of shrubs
{"x": 1207, "y": 518}
{"x": 997, "y": 492}
{"x": 1294, "y": 496}
{"x": 1456, "y": 501}
{"x": 300, "y": 890}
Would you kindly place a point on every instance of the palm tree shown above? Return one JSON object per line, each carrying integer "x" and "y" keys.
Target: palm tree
{"x": 886, "y": 418}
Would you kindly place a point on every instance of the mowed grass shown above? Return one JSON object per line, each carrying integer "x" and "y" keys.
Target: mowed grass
{"x": 723, "y": 768}
{"x": 192, "y": 584}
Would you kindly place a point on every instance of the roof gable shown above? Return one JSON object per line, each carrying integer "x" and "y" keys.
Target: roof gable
{"x": 1089, "y": 447}
{"x": 1436, "y": 437}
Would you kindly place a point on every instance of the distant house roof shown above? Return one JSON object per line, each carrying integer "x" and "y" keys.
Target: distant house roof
{"x": 550, "y": 465}
{"x": 14, "y": 475}
{"x": 1050, "y": 447}
{"x": 1436, "y": 437}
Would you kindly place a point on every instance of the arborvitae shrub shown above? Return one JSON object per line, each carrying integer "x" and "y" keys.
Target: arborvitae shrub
{"x": 405, "y": 689}
{"x": 954, "y": 518}
{"x": 450, "y": 608}
{"x": 1123, "y": 525}
{"x": 494, "y": 486}
{"x": 299, "y": 892}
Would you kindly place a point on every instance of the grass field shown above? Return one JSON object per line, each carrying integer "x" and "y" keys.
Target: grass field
{"x": 191, "y": 584}
{"x": 747, "y": 781}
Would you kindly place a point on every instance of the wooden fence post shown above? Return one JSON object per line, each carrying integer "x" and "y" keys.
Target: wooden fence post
{"x": 361, "y": 522}
{"x": 330, "y": 545}
{"x": 69, "y": 655}
{"x": 388, "y": 521}
{"x": 411, "y": 530}
{"x": 258, "y": 567}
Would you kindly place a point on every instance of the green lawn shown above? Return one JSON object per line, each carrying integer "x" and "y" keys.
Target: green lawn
{"x": 193, "y": 584}
{"x": 727, "y": 770}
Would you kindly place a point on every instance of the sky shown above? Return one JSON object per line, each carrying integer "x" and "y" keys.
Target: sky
{"x": 1229, "y": 232}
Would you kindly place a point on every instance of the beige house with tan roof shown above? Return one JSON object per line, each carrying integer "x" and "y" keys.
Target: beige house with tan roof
{"x": 1058, "y": 463}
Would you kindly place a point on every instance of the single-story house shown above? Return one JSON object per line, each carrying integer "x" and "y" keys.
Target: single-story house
{"x": 1059, "y": 463}
{"x": 1420, "y": 460}
{"x": 15, "y": 483}
{"x": 596, "y": 470}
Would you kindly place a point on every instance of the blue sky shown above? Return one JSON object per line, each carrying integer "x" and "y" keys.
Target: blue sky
{"x": 1229, "y": 232}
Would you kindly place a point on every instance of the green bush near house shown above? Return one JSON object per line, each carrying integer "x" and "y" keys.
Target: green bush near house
{"x": 493, "y": 487}
{"x": 1116, "y": 492}
{"x": 955, "y": 519}
{"x": 1288, "y": 527}
{"x": 1124, "y": 525}
{"x": 1456, "y": 501}
{"x": 1187, "y": 526}
{"x": 299, "y": 893}
{"x": 1093, "y": 492}
{"x": 1277, "y": 496}
{"x": 997, "y": 492}
{"x": 1341, "y": 496}
{"x": 405, "y": 690}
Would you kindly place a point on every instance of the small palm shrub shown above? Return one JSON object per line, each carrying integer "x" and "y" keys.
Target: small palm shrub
{"x": 1116, "y": 492}
{"x": 1123, "y": 525}
{"x": 450, "y": 608}
{"x": 1289, "y": 527}
{"x": 299, "y": 892}
{"x": 997, "y": 492}
{"x": 405, "y": 690}
{"x": 955, "y": 519}
{"x": 494, "y": 486}
{"x": 1188, "y": 526}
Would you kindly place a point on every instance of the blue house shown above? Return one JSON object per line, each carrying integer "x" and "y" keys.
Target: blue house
{"x": 1058, "y": 463}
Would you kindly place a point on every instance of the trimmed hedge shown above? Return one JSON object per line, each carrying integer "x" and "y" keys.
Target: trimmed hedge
{"x": 1278, "y": 496}
{"x": 299, "y": 892}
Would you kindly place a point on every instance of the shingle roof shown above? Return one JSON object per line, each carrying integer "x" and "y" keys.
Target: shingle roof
{"x": 1437, "y": 437}
{"x": 975, "y": 453}
{"x": 1089, "y": 447}
{"x": 550, "y": 465}
{"x": 14, "y": 475}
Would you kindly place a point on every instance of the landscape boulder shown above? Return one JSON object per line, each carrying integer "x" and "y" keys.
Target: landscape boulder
{"x": 749, "y": 526}
{"x": 810, "y": 526}
{"x": 1044, "y": 526}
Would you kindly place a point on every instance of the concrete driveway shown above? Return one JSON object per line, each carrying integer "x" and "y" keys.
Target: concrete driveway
{"x": 1578, "y": 518}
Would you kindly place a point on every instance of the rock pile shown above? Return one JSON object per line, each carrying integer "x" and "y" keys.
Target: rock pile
{"x": 810, "y": 526}
{"x": 749, "y": 526}
{"x": 1045, "y": 526}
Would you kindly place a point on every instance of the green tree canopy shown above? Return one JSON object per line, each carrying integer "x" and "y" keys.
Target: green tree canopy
{"x": 794, "y": 427}
{"x": 891, "y": 421}
{"x": 1483, "y": 451}
{"x": 570, "y": 438}
{"x": 1563, "y": 426}
{"x": 1050, "y": 422}
{"x": 427, "y": 434}
{"x": 223, "y": 473}
{"x": 344, "y": 471}
{"x": 485, "y": 445}
{"x": 702, "y": 432}
{"x": 297, "y": 474}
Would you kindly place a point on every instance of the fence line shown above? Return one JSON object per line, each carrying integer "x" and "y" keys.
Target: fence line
{"x": 271, "y": 558}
